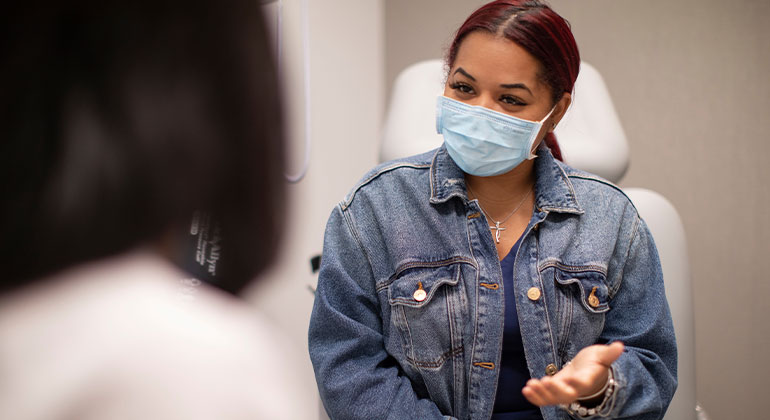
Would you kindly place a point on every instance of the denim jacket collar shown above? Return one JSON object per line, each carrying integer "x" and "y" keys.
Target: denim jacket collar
{"x": 554, "y": 190}
{"x": 447, "y": 179}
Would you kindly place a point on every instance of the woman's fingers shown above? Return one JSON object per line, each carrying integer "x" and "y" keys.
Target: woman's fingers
{"x": 536, "y": 393}
{"x": 548, "y": 391}
{"x": 532, "y": 392}
{"x": 560, "y": 391}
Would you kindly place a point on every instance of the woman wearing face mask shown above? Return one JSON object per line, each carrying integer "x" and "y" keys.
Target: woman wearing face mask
{"x": 485, "y": 279}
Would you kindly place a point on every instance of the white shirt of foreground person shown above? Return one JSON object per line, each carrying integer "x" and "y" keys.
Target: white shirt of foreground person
{"x": 127, "y": 338}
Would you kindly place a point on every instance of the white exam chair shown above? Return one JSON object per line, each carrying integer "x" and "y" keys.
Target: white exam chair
{"x": 591, "y": 138}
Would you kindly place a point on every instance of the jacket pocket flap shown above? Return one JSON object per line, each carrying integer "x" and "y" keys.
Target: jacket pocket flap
{"x": 592, "y": 286}
{"x": 417, "y": 285}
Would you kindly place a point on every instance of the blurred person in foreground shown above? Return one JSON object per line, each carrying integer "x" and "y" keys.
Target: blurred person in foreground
{"x": 118, "y": 122}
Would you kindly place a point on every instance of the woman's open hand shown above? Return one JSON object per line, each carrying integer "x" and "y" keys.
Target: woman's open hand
{"x": 585, "y": 375}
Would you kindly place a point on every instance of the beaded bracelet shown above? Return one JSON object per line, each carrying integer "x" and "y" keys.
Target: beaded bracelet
{"x": 575, "y": 408}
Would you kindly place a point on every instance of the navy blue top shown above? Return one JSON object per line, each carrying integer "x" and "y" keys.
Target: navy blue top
{"x": 510, "y": 404}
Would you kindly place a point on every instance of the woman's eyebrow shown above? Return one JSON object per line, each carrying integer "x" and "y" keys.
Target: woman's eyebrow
{"x": 516, "y": 86}
{"x": 465, "y": 73}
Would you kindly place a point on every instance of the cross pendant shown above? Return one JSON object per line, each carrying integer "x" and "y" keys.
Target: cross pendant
{"x": 497, "y": 229}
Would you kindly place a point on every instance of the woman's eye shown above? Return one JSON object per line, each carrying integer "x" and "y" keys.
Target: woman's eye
{"x": 511, "y": 100}
{"x": 461, "y": 87}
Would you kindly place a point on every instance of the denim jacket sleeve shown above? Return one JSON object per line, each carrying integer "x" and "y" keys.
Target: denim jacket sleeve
{"x": 646, "y": 372}
{"x": 356, "y": 377}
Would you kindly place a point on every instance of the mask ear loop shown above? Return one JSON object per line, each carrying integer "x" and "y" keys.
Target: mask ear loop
{"x": 532, "y": 154}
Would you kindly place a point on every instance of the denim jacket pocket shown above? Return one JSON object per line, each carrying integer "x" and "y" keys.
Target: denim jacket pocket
{"x": 583, "y": 299}
{"x": 427, "y": 305}
{"x": 591, "y": 286}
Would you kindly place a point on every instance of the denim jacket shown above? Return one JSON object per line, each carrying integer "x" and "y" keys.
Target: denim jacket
{"x": 587, "y": 271}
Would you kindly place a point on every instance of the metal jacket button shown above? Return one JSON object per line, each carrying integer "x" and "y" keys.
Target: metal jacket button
{"x": 551, "y": 369}
{"x": 593, "y": 301}
{"x": 419, "y": 294}
{"x": 533, "y": 293}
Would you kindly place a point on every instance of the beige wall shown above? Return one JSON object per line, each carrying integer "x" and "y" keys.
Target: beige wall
{"x": 690, "y": 82}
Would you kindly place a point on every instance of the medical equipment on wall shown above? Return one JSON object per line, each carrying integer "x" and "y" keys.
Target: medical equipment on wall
{"x": 273, "y": 13}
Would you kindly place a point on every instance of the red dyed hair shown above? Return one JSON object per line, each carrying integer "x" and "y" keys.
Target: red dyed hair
{"x": 535, "y": 27}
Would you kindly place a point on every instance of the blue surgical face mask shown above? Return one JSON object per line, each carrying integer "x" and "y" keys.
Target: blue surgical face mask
{"x": 483, "y": 142}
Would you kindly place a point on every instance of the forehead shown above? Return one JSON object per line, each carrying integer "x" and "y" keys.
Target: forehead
{"x": 491, "y": 58}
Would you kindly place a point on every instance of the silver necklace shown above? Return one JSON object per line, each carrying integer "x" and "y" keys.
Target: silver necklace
{"x": 497, "y": 228}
